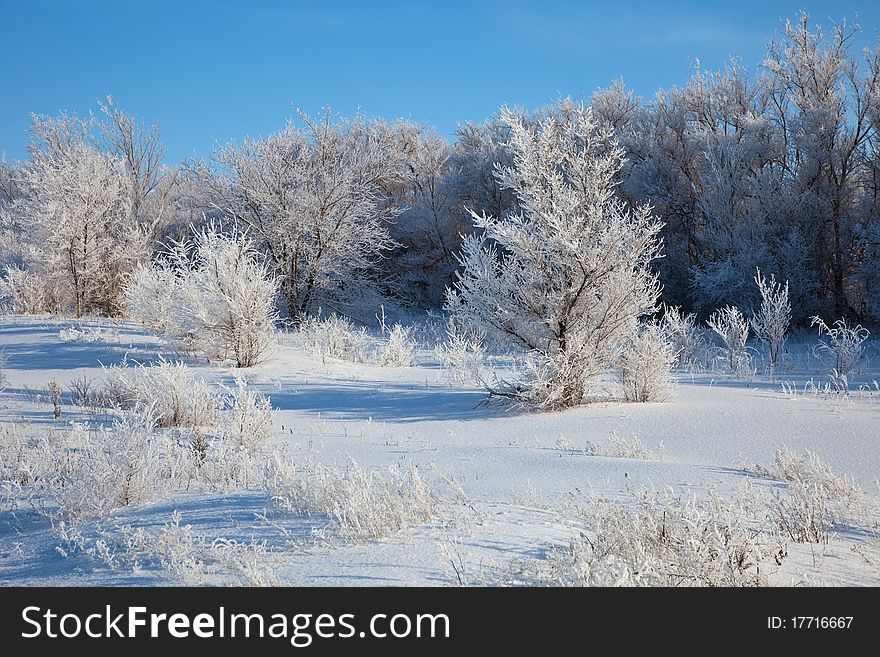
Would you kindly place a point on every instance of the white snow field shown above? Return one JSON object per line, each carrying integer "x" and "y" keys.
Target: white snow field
{"x": 506, "y": 492}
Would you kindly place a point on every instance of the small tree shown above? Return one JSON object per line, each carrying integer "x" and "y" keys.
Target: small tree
{"x": 566, "y": 276}
{"x": 733, "y": 329}
{"x": 770, "y": 323}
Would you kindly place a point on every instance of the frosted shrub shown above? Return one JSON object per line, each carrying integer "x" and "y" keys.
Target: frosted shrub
{"x": 84, "y": 392}
{"x": 399, "y": 349}
{"x": 228, "y": 466}
{"x": 770, "y": 323}
{"x": 364, "y": 504}
{"x": 23, "y": 292}
{"x": 634, "y": 448}
{"x": 213, "y": 294}
{"x": 110, "y": 468}
{"x": 190, "y": 558}
{"x": 336, "y": 337}
{"x": 810, "y": 469}
{"x": 150, "y": 297}
{"x": 248, "y": 423}
{"x": 32, "y": 460}
{"x": 55, "y": 394}
{"x": 683, "y": 333}
{"x": 802, "y": 513}
{"x": 666, "y": 539}
{"x": 171, "y": 390}
{"x": 645, "y": 366}
{"x": 843, "y": 343}
{"x": 461, "y": 355}
{"x": 547, "y": 381}
{"x": 806, "y": 509}
{"x": 733, "y": 329}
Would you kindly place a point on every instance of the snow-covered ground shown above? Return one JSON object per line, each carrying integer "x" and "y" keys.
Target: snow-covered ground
{"x": 507, "y": 477}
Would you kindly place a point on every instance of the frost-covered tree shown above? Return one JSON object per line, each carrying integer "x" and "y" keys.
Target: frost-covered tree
{"x": 567, "y": 275}
{"x": 823, "y": 98}
{"x": 78, "y": 200}
{"x": 479, "y": 148}
{"x": 212, "y": 293}
{"x": 682, "y": 332}
{"x": 869, "y": 272}
{"x": 312, "y": 199}
{"x": 771, "y": 321}
{"x": 88, "y": 208}
{"x": 13, "y": 227}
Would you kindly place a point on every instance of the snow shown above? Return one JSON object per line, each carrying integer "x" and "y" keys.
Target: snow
{"x": 516, "y": 468}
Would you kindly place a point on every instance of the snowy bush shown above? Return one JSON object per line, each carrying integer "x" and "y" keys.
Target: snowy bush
{"x": 364, "y": 504}
{"x": 843, "y": 343}
{"x": 23, "y": 292}
{"x": 770, "y": 323}
{"x": 212, "y": 294}
{"x": 664, "y": 539}
{"x": 84, "y": 392}
{"x": 801, "y": 513}
{"x": 684, "y": 334}
{"x": 190, "y": 558}
{"x": 399, "y": 347}
{"x": 461, "y": 355}
{"x": 110, "y": 468}
{"x": 645, "y": 366}
{"x": 54, "y": 394}
{"x": 27, "y": 460}
{"x": 248, "y": 423}
{"x": 336, "y": 337}
{"x": 633, "y": 448}
{"x": 810, "y": 469}
{"x": 815, "y": 497}
{"x": 174, "y": 394}
{"x": 733, "y": 329}
{"x": 150, "y": 297}
{"x": 567, "y": 276}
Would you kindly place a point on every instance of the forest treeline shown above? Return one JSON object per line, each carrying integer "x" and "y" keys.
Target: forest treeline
{"x": 774, "y": 169}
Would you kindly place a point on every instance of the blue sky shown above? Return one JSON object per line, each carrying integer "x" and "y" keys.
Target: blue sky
{"x": 211, "y": 71}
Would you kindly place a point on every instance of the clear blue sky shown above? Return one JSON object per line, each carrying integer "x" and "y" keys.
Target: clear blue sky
{"x": 218, "y": 70}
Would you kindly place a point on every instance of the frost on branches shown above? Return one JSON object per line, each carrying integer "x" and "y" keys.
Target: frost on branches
{"x": 213, "y": 294}
{"x": 312, "y": 199}
{"x": 565, "y": 276}
{"x": 78, "y": 201}
{"x": 78, "y": 217}
{"x": 771, "y": 321}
